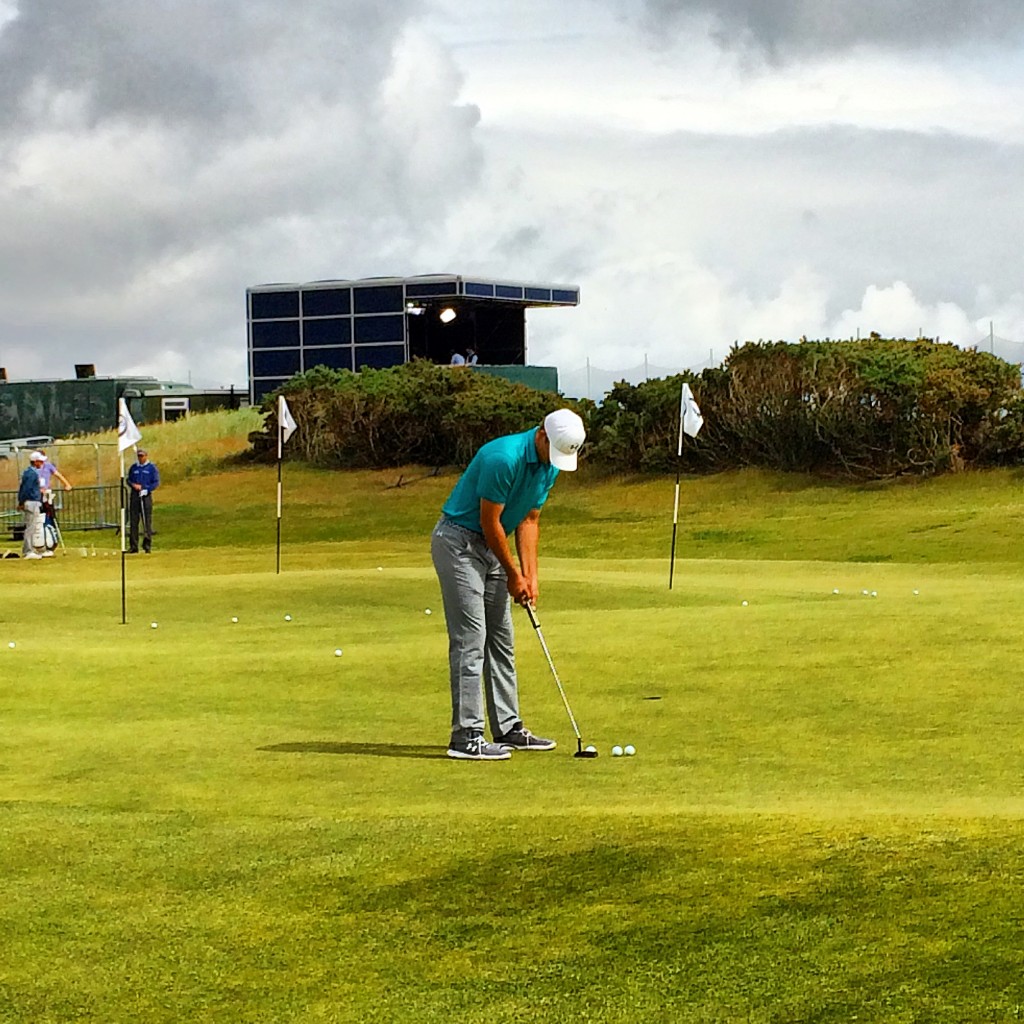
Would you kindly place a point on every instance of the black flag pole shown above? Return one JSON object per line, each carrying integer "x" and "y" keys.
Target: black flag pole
{"x": 279, "y": 500}
{"x": 124, "y": 591}
{"x": 690, "y": 422}
{"x": 285, "y": 428}
{"x": 127, "y": 435}
{"x": 675, "y": 510}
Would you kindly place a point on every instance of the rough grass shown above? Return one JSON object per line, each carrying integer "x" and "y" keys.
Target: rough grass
{"x": 220, "y": 821}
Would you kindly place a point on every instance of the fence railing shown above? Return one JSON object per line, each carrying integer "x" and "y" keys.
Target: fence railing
{"x": 82, "y": 508}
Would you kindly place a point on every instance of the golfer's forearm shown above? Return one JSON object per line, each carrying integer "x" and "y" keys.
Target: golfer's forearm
{"x": 494, "y": 534}
{"x": 527, "y": 542}
{"x": 498, "y": 543}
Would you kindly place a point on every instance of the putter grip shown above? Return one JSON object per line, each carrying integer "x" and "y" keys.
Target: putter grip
{"x": 532, "y": 614}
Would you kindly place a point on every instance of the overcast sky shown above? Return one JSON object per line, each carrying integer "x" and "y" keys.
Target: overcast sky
{"x": 706, "y": 171}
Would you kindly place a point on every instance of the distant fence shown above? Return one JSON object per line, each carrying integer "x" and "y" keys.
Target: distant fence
{"x": 82, "y": 508}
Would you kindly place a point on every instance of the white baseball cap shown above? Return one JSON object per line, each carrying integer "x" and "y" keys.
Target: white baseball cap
{"x": 566, "y": 435}
{"x": 37, "y": 457}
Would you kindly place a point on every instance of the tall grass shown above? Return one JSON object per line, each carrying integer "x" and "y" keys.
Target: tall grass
{"x": 181, "y": 448}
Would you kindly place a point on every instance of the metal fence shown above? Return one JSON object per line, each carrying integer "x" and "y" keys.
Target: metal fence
{"x": 83, "y": 508}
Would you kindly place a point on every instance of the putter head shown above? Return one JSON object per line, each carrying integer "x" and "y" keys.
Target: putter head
{"x": 580, "y": 752}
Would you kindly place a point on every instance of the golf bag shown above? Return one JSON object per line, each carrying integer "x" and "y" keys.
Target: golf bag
{"x": 47, "y": 533}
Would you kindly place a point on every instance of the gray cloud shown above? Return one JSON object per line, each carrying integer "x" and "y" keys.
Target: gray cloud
{"x": 157, "y": 158}
{"x": 781, "y": 29}
{"x": 208, "y": 64}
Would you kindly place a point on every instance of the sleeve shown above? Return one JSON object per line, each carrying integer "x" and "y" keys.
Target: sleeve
{"x": 497, "y": 478}
{"x": 156, "y": 478}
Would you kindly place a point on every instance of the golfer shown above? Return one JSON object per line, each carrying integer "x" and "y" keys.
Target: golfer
{"x": 143, "y": 479}
{"x": 501, "y": 492}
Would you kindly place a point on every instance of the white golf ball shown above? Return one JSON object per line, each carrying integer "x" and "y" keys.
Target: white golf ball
{"x": 234, "y": 618}
{"x": 152, "y": 625}
{"x": 629, "y": 750}
{"x": 287, "y": 618}
{"x": 874, "y": 593}
{"x": 744, "y": 603}
{"x": 11, "y": 644}
{"x": 337, "y": 652}
{"x": 835, "y": 590}
{"x": 380, "y": 568}
{"x": 428, "y": 611}
{"x": 616, "y": 751}
{"x": 916, "y": 592}
{"x": 591, "y": 749}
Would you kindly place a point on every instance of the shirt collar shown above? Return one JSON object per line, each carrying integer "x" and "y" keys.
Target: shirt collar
{"x": 532, "y": 455}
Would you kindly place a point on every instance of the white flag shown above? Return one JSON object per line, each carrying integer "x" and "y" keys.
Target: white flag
{"x": 127, "y": 433}
{"x": 284, "y": 419}
{"x": 689, "y": 412}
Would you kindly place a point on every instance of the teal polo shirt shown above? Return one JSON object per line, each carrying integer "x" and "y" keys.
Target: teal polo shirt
{"x": 507, "y": 471}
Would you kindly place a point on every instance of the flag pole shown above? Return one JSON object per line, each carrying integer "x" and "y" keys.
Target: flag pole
{"x": 124, "y": 599}
{"x": 675, "y": 509}
{"x": 127, "y": 435}
{"x": 280, "y": 453}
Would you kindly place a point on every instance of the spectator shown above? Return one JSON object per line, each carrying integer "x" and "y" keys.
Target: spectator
{"x": 48, "y": 472}
{"x": 471, "y": 359}
{"x": 458, "y": 359}
{"x": 143, "y": 480}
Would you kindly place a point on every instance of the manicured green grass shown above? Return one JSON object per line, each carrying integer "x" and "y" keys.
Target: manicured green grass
{"x": 220, "y": 821}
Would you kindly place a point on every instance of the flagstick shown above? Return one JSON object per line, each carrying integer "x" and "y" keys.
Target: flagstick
{"x": 124, "y": 600}
{"x": 280, "y": 447}
{"x": 675, "y": 510}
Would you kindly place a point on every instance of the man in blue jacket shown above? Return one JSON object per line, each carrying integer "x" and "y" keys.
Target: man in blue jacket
{"x": 30, "y": 501}
{"x": 143, "y": 480}
{"x": 501, "y": 492}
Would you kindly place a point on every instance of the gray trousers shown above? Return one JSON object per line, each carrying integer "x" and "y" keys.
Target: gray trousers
{"x": 33, "y": 525}
{"x": 481, "y": 641}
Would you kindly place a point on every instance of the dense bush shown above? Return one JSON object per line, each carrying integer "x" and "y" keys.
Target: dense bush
{"x": 417, "y": 413}
{"x": 871, "y": 408}
{"x": 864, "y": 409}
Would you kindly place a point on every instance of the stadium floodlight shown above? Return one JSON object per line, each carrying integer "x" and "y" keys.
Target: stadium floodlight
{"x": 447, "y": 315}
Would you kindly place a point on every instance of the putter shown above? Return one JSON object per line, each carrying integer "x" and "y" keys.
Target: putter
{"x": 580, "y": 752}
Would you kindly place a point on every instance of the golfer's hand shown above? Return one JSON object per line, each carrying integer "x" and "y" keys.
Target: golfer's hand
{"x": 519, "y": 589}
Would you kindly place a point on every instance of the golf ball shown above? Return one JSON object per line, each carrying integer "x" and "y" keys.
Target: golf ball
{"x": 916, "y": 592}
{"x": 337, "y": 652}
{"x": 835, "y": 590}
{"x": 11, "y": 644}
{"x": 864, "y": 592}
{"x": 616, "y": 751}
{"x": 428, "y": 611}
{"x": 380, "y": 568}
{"x": 287, "y": 618}
{"x": 591, "y": 749}
{"x": 874, "y": 593}
{"x": 152, "y": 625}
{"x": 744, "y": 603}
{"x": 234, "y": 618}
{"x": 629, "y": 750}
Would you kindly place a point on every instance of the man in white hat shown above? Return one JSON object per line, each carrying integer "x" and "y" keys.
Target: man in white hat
{"x": 30, "y": 501}
{"x": 501, "y": 492}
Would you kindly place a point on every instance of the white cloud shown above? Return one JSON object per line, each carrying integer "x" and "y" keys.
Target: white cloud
{"x": 155, "y": 160}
